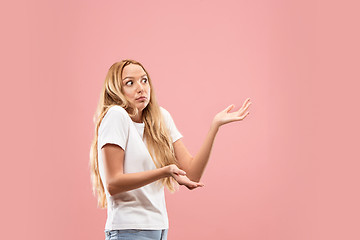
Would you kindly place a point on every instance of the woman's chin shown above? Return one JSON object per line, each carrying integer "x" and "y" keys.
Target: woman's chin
{"x": 141, "y": 106}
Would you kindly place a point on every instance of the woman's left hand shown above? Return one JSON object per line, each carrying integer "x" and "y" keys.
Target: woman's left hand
{"x": 184, "y": 180}
{"x": 224, "y": 116}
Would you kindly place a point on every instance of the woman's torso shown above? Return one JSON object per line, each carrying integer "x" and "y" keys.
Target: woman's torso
{"x": 141, "y": 208}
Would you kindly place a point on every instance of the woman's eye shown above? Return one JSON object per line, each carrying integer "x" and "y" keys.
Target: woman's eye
{"x": 129, "y": 83}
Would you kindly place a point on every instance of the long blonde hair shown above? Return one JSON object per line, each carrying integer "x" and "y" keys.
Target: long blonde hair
{"x": 158, "y": 139}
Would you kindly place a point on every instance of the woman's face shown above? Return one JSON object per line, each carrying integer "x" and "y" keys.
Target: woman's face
{"x": 135, "y": 85}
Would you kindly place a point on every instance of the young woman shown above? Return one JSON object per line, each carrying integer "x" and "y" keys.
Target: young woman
{"x": 137, "y": 150}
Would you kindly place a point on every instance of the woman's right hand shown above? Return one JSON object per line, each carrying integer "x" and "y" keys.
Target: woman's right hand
{"x": 180, "y": 176}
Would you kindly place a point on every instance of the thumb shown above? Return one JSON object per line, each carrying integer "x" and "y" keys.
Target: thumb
{"x": 229, "y": 108}
{"x": 182, "y": 172}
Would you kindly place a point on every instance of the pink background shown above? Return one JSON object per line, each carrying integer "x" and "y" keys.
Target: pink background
{"x": 290, "y": 170}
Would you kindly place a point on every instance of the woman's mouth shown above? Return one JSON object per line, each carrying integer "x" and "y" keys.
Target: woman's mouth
{"x": 141, "y": 98}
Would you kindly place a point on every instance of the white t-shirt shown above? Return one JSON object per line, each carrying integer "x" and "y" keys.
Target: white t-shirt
{"x": 144, "y": 207}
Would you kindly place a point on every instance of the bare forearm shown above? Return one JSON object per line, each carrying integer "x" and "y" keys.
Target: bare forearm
{"x": 129, "y": 181}
{"x": 199, "y": 162}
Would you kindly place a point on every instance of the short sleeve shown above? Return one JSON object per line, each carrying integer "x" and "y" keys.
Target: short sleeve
{"x": 114, "y": 128}
{"x": 174, "y": 132}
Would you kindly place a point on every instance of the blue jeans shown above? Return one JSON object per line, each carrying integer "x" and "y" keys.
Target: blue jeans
{"x": 138, "y": 234}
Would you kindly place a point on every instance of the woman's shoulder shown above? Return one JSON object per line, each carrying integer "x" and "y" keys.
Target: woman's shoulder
{"x": 166, "y": 114}
{"x": 115, "y": 116}
{"x": 117, "y": 111}
{"x": 163, "y": 110}
{"x": 117, "y": 108}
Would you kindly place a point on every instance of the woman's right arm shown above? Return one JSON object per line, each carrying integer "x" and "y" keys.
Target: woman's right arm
{"x": 118, "y": 181}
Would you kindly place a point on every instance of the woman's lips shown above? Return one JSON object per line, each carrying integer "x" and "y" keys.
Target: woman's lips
{"x": 140, "y": 99}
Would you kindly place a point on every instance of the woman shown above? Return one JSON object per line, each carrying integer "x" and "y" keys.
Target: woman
{"x": 137, "y": 151}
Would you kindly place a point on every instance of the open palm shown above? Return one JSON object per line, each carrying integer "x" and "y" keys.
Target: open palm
{"x": 224, "y": 116}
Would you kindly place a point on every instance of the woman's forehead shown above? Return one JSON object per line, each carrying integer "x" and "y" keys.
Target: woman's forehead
{"x": 133, "y": 70}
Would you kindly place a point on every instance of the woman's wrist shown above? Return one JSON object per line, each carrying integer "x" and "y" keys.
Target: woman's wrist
{"x": 166, "y": 171}
{"x": 215, "y": 126}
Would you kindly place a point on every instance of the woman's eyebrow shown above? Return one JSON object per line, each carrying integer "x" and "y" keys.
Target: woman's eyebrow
{"x": 133, "y": 77}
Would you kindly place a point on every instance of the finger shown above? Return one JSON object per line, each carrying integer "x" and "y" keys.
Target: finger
{"x": 246, "y": 108}
{"x": 201, "y": 185}
{"x": 248, "y": 104}
{"x": 179, "y": 172}
{"x": 245, "y": 104}
{"x": 229, "y": 108}
{"x": 241, "y": 118}
{"x": 247, "y": 100}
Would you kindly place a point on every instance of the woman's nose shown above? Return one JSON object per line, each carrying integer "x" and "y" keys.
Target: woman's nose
{"x": 140, "y": 87}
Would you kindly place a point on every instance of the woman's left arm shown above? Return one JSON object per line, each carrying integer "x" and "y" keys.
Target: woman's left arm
{"x": 195, "y": 166}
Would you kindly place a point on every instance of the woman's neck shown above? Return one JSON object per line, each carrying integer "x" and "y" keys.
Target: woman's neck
{"x": 137, "y": 118}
